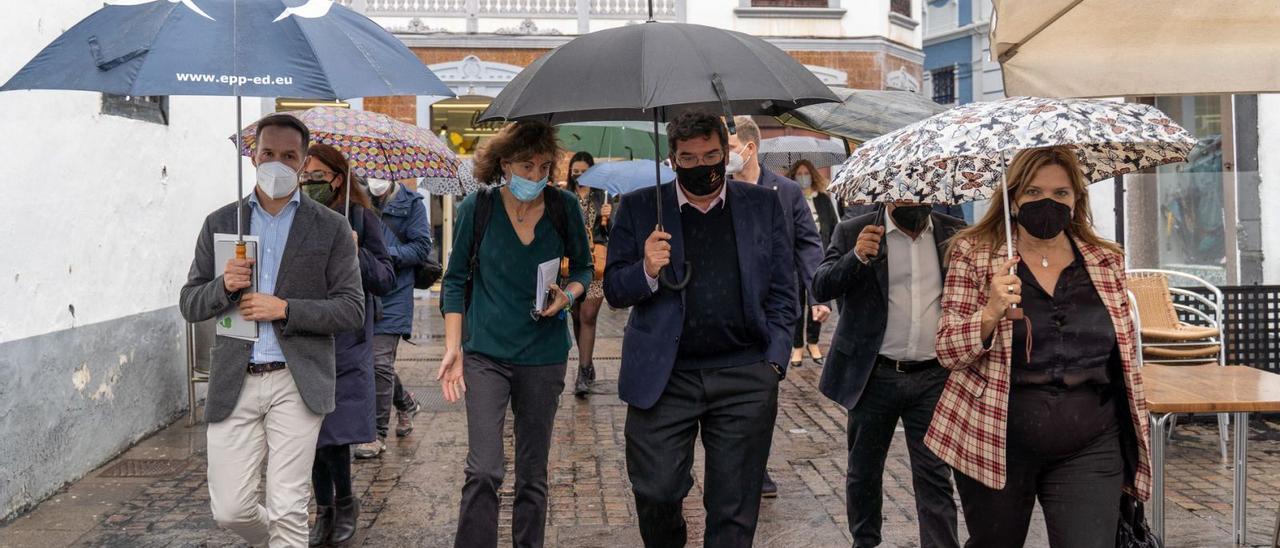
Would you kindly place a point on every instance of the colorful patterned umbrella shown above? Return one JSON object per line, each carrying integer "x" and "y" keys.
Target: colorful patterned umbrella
{"x": 378, "y": 146}
{"x": 959, "y": 155}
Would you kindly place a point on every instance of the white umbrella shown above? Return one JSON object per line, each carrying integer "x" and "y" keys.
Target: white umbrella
{"x": 782, "y": 152}
{"x": 959, "y": 156}
{"x": 1117, "y": 48}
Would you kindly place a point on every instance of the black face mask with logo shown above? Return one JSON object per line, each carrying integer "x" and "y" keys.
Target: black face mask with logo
{"x": 912, "y": 218}
{"x": 1044, "y": 219}
{"x": 701, "y": 180}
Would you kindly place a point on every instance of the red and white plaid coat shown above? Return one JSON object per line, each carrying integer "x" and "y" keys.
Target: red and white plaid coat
{"x": 970, "y": 422}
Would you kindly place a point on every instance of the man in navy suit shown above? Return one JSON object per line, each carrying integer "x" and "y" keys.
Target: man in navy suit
{"x": 745, "y": 165}
{"x": 883, "y": 366}
{"x": 707, "y": 357}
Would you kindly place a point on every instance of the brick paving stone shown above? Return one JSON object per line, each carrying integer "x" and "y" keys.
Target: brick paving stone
{"x": 410, "y": 495}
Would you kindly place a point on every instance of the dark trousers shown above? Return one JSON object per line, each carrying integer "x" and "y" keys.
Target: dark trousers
{"x": 734, "y": 408}
{"x": 807, "y": 330}
{"x": 1063, "y": 449}
{"x": 331, "y": 474}
{"x": 889, "y": 396}
{"x": 533, "y": 393}
{"x": 387, "y": 388}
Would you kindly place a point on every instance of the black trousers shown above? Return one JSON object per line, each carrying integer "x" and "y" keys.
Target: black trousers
{"x": 331, "y": 474}
{"x": 533, "y": 394}
{"x": 1064, "y": 450}
{"x": 734, "y": 408}
{"x": 888, "y": 397}
{"x": 807, "y": 330}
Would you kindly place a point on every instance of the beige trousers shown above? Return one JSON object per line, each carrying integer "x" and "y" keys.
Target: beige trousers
{"x": 270, "y": 420}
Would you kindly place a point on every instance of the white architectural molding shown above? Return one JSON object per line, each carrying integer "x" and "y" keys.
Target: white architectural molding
{"x": 829, "y": 76}
{"x": 472, "y": 76}
{"x": 902, "y": 80}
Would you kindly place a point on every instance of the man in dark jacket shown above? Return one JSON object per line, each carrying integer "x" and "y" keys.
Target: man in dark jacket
{"x": 706, "y": 358}
{"x": 883, "y": 366}
{"x": 407, "y": 235}
{"x": 806, "y": 243}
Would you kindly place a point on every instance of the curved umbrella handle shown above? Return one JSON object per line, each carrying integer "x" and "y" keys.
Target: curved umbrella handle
{"x": 665, "y": 277}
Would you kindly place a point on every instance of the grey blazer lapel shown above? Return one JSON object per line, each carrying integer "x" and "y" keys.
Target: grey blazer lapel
{"x": 303, "y": 223}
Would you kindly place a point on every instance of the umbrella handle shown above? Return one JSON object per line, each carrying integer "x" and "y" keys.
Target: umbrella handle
{"x": 1014, "y": 313}
{"x": 665, "y": 277}
{"x": 242, "y": 251}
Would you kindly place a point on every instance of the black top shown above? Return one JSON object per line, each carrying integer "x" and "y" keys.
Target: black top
{"x": 715, "y": 327}
{"x": 1072, "y": 338}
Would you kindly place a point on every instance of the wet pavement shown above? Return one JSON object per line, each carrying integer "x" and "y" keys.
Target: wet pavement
{"x": 154, "y": 495}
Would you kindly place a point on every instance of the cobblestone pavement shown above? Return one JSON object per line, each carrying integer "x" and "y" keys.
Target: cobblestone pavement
{"x": 411, "y": 493}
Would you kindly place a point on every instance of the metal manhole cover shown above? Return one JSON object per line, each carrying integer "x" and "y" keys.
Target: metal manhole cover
{"x": 144, "y": 468}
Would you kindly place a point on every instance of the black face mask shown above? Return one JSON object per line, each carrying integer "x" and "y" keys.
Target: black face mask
{"x": 1044, "y": 219}
{"x": 701, "y": 180}
{"x": 912, "y": 218}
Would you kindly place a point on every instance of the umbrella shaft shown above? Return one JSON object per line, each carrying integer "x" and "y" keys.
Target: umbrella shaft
{"x": 239, "y": 177}
{"x": 657, "y": 164}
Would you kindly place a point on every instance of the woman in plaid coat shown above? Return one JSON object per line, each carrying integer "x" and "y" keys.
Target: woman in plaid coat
{"x": 1050, "y": 408}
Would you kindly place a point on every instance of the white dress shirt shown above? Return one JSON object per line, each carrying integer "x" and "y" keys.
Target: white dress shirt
{"x": 681, "y": 201}
{"x": 915, "y": 294}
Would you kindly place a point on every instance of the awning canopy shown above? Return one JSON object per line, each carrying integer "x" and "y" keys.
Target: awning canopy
{"x": 1116, "y": 48}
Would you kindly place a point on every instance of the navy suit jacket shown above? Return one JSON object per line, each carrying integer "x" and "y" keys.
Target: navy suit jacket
{"x": 653, "y": 330}
{"x": 807, "y": 242}
{"x": 864, "y": 289}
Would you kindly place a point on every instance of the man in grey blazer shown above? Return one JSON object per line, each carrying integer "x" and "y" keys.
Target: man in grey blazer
{"x": 267, "y": 398}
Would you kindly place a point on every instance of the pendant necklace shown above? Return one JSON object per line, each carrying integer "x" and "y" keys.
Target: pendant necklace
{"x": 1044, "y": 260}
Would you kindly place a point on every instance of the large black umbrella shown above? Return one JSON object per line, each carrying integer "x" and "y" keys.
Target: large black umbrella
{"x": 652, "y": 72}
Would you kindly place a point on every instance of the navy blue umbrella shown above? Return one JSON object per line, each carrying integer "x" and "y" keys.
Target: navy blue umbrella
{"x": 254, "y": 48}
{"x": 315, "y": 49}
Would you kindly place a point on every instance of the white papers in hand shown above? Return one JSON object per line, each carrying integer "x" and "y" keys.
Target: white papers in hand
{"x": 547, "y": 272}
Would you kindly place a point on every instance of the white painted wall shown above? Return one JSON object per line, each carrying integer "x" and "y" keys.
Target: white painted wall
{"x": 1269, "y": 171}
{"x": 103, "y": 211}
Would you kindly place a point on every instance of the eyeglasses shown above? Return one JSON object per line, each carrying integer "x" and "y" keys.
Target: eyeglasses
{"x": 317, "y": 176}
{"x": 709, "y": 159}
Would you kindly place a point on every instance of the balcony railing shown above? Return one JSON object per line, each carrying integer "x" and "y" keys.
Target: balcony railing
{"x": 550, "y": 9}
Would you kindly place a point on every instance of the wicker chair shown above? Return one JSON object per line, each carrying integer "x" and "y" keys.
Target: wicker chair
{"x": 1164, "y": 339}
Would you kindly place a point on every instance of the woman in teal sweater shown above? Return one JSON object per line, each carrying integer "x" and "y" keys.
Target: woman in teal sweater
{"x": 510, "y": 354}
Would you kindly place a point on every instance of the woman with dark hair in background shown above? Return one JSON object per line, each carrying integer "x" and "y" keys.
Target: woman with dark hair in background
{"x": 325, "y": 178}
{"x": 595, "y": 213}
{"x": 513, "y": 355}
{"x": 826, "y": 215}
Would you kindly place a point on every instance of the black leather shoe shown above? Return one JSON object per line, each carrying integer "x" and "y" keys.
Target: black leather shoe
{"x": 323, "y": 528}
{"x": 346, "y": 514}
{"x": 586, "y": 377}
{"x": 770, "y": 489}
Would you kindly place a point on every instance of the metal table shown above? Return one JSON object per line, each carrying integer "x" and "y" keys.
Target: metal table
{"x": 1209, "y": 388}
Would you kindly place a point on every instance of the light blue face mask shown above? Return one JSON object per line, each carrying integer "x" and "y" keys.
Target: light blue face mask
{"x": 524, "y": 189}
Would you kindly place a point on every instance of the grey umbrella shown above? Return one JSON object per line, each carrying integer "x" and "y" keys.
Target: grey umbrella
{"x": 651, "y": 72}
{"x": 863, "y": 114}
{"x": 783, "y": 152}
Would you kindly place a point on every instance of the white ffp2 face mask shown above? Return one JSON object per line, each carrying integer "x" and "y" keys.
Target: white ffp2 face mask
{"x": 735, "y": 163}
{"x": 378, "y": 187}
{"x": 276, "y": 179}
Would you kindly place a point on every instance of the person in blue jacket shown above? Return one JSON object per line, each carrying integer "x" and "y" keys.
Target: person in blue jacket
{"x": 325, "y": 178}
{"x": 407, "y": 234}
